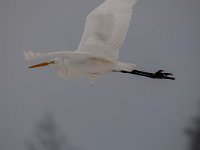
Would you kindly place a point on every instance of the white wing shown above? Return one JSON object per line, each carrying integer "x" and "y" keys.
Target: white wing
{"x": 30, "y": 55}
{"x": 106, "y": 28}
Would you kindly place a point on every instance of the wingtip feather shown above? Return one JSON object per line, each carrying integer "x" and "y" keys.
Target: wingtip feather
{"x": 30, "y": 55}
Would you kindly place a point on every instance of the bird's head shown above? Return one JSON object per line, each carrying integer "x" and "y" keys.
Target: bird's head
{"x": 55, "y": 62}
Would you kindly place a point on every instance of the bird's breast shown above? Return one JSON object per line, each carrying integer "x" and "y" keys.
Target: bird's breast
{"x": 93, "y": 66}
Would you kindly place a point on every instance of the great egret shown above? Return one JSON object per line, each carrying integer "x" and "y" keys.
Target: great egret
{"x": 97, "y": 54}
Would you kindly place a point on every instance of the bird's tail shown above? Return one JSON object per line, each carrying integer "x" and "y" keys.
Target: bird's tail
{"x": 126, "y": 66}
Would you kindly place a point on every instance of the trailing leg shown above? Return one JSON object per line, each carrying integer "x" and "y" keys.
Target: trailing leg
{"x": 157, "y": 75}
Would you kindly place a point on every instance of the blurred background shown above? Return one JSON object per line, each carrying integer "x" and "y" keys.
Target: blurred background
{"x": 38, "y": 110}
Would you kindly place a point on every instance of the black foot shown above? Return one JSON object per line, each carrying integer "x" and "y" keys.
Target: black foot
{"x": 160, "y": 74}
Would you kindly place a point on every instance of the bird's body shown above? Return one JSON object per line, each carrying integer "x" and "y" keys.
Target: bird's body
{"x": 72, "y": 65}
{"x": 97, "y": 54}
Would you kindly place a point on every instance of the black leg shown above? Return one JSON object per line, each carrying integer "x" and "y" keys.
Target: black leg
{"x": 157, "y": 75}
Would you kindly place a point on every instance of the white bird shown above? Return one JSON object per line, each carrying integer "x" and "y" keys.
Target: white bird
{"x": 97, "y": 54}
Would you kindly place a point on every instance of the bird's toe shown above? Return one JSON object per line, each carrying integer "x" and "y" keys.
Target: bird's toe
{"x": 161, "y": 74}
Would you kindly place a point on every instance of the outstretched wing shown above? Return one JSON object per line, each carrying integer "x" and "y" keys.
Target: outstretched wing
{"x": 30, "y": 55}
{"x": 106, "y": 28}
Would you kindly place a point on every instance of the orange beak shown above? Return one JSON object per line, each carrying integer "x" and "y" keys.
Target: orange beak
{"x": 42, "y": 64}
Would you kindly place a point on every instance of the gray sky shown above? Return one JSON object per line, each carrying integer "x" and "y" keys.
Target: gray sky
{"x": 120, "y": 111}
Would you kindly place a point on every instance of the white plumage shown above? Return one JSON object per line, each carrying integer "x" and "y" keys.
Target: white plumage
{"x": 105, "y": 30}
{"x": 97, "y": 54}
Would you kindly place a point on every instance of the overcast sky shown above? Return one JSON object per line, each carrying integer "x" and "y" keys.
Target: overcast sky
{"x": 121, "y": 111}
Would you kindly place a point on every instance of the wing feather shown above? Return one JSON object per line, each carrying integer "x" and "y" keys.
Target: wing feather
{"x": 106, "y": 28}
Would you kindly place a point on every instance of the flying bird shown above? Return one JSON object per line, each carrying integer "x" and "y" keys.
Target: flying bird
{"x": 97, "y": 54}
